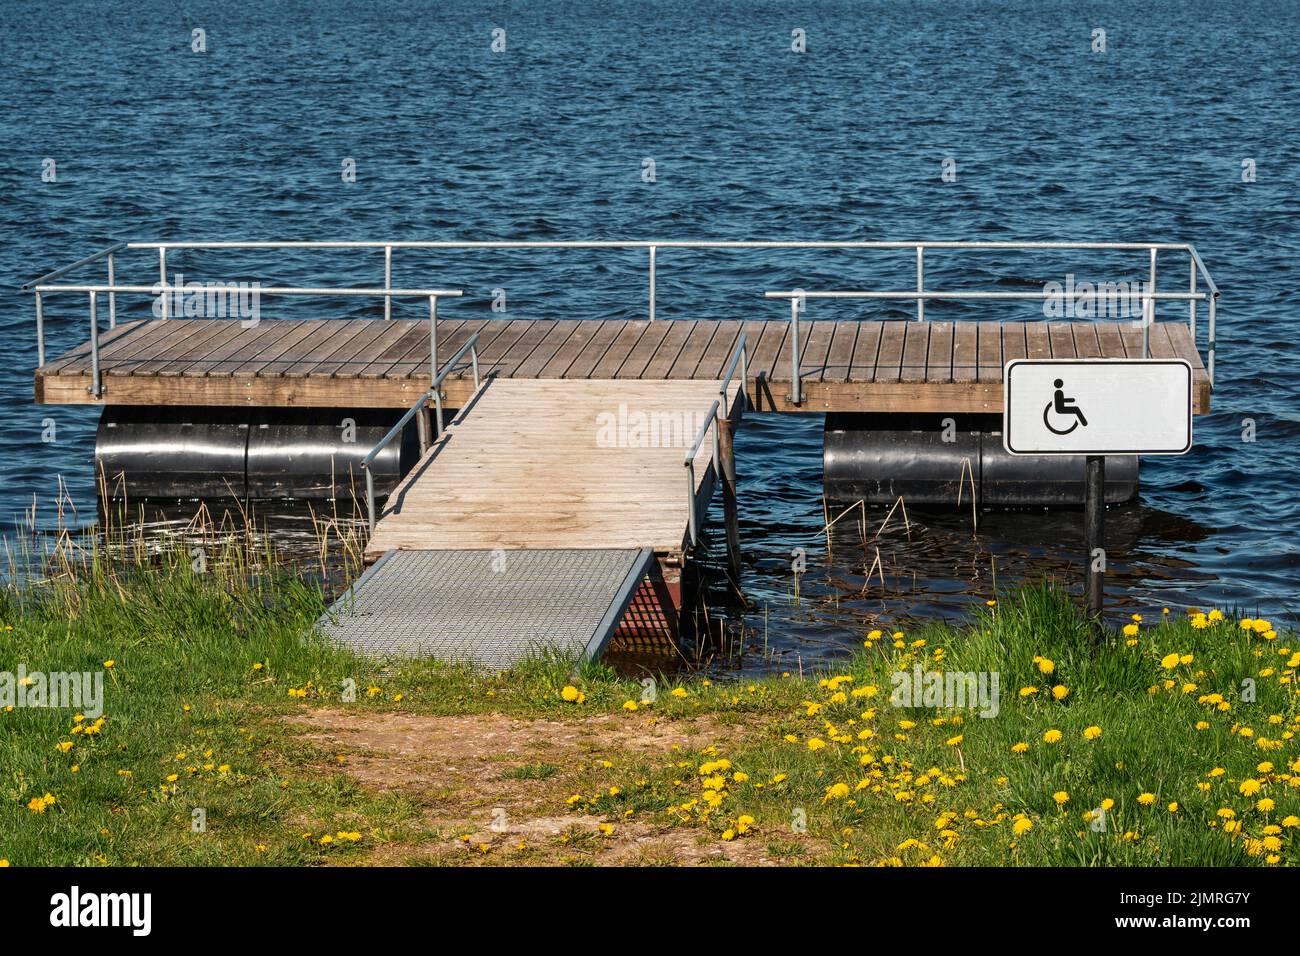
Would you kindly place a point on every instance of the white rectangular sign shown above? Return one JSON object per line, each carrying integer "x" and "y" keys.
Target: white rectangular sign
{"x": 1097, "y": 407}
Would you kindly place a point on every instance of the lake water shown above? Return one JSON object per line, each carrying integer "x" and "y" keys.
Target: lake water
{"x": 749, "y": 140}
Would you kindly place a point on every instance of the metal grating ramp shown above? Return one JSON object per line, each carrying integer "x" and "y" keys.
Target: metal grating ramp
{"x": 489, "y": 607}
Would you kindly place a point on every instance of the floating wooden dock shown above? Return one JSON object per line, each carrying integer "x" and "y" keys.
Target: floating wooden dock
{"x": 890, "y": 366}
{"x": 527, "y": 524}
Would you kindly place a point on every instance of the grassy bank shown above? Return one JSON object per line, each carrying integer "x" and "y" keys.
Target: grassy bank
{"x": 228, "y": 739}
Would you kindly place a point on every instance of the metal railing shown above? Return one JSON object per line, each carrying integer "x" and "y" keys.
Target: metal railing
{"x": 710, "y": 420}
{"x": 739, "y": 359}
{"x": 422, "y": 423}
{"x": 41, "y": 288}
{"x": 651, "y": 248}
{"x": 799, "y": 297}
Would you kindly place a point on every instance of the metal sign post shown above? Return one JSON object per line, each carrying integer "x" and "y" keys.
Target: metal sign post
{"x": 1094, "y": 408}
{"x": 1094, "y": 532}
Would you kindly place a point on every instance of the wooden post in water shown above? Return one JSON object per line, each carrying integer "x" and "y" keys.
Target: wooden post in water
{"x": 1094, "y": 534}
{"x": 727, "y": 478}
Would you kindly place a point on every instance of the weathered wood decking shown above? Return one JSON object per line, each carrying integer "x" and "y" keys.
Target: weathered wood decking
{"x": 370, "y": 363}
{"x": 559, "y": 465}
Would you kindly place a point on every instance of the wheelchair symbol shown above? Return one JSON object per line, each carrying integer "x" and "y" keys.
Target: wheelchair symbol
{"x": 1062, "y": 406}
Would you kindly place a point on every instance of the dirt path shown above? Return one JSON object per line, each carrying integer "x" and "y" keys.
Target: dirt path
{"x": 496, "y": 790}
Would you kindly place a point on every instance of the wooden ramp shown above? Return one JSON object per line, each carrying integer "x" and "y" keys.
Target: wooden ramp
{"x": 548, "y": 464}
{"x": 867, "y": 366}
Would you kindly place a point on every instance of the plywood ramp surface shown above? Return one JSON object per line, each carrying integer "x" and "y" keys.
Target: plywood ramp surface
{"x": 533, "y": 464}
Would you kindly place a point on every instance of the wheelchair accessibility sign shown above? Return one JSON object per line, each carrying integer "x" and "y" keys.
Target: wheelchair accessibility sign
{"x": 1097, "y": 407}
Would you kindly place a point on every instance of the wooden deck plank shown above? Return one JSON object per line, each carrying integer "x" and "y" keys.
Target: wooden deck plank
{"x": 643, "y": 351}
{"x": 669, "y": 348}
{"x": 916, "y": 350}
{"x": 192, "y": 350}
{"x": 546, "y": 350}
{"x": 568, "y": 352}
{"x": 112, "y": 343}
{"x": 126, "y": 352}
{"x": 990, "y": 352}
{"x": 720, "y": 350}
{"x": 865, "y": 351}
{"x": 1062, "y": 340}
{"x": 1161, "y": 347}
{"x": 816, "y": 346}
{"x": 693, "y": 349}
{"x": 526, "y": 344}
{"x": 494, "y": 349}
{"x": 448, "y": 345}
{"x": 145, "y": 354}
{"x": 266, "y": 361}
{"x": 250, "y": 341}
{"x": 586, "y": 361}
{"x": 1013, "y": 341}
{"x": 938, "y": 360}
{"x": 367, "y": 343}
{"x": 624, "y": 347}
{"x": 889, "y": 361}
{"x": 839, "y": 359}
{"x": 212, "y": 348}
{"x": 1131, "y": 335}
{"x": 415, "y": 335}
{"x": 770, "y": 352}
{"x": 386, "y": 342}
{"x": 965, "y": 352}
{"x": 1038, "y": 343}
{"x": 1180, "y": 336}
{"x": 335, "y": 336}
{"x": 1086, "y": 344}
{"x": 576, "y": 334}
{"x": 1108, "y": 337}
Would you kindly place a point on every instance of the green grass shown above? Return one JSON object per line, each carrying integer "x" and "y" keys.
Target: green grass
{"x": 206, "y": 663}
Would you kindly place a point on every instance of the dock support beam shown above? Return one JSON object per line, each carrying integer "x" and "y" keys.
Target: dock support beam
{"x": 727, "y": 478}
{"x": 1094, "y": 533}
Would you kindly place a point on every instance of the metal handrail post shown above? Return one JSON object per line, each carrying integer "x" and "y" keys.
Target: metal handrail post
{"x": 652, "y": 282}
{"x": 744, "y": 379}
{"x": 370, "y": 497}
{"x": 1214, "y": 300}
{"x": 1148, "y": 316}
{"x": 388, "y": 281}
{"x": 710, "y": 421}
{"x": 162, "y": 279}
{"x": 471, "y": 347}
{"x": 1153, "y": 282}
{"x": 112, "y": 296}
{"x": 433, "y": 337}
{"x": 1191, "y": 303}
{"x": 40, "y": 331}
{"x": 796, "y": 392}
{"x": 383, "y": 443}
{"x": 422, "y": 432}
{"x": 717, "y": 447}
{"x": 920, "y": 283}
{"x": 96, "y": 387}
{"x": 738, "y": 356}
{"x": 690, "y": 500}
